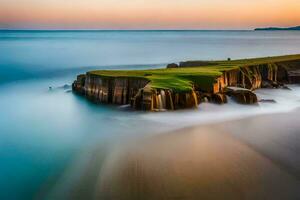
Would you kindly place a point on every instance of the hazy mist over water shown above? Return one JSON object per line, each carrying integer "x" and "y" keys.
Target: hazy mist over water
{"x": 32, "y": 53}
{"x": 44, "y": 134}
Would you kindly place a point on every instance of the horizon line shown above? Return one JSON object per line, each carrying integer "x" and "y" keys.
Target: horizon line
{"x": 8, "y": 29}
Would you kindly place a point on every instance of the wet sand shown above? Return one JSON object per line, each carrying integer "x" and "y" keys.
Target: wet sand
{"x": 251, "y": 158}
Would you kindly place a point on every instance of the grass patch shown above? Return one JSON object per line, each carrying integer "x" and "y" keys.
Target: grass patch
{"x": 182, "y": 79}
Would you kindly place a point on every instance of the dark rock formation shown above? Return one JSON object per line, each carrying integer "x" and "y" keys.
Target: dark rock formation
{"x": 108, "y": 89}
{"x": 161, "y": 99}
{"x": 241, "y": 95}
{"x": 272, "y": 75}
{"x": 79, "y": 83}
{"x": 136, "y": 92}
{"x": 219, "y": 98}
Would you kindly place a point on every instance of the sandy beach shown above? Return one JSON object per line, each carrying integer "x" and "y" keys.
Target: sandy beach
{"x": 252, "y": 158}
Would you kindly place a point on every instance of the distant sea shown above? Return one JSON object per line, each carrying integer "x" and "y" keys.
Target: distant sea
{"x": 30, "y": 54}
{"x": 43, "y": 132}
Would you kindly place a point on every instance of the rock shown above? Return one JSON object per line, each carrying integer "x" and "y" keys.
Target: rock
{"x": 205, "y": 97}
{"x": 219, "y": 98}
{"x": 294, "y": 76}
{"x": 266, "y": 84}
{"x": 267, "y": 101}
{"x": 172, "y": 65}
{"x": 286, "y": 87}
{"x": 241, "y": 95}
{"x": 134, "y": 91}
{"x": 66, "y": 86}
{"x": 78, "y": 84}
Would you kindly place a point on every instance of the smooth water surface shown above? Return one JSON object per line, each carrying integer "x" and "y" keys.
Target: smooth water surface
{"x": 32, "y": 53}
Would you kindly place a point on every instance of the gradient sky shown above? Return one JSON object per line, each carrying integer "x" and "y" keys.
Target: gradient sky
{"x": 148, "y": 14}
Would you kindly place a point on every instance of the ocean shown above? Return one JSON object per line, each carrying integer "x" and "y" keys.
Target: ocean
{"x": 44, "y": 132}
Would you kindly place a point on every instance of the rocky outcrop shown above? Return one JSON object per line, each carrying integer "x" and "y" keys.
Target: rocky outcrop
{"x": 163, "y": 99}
{"x": 219, "y": 98}
{"x": 78, "y": 84}
{"x": 237, "y": 83}
{"x": 272, "y": 75}
{"x": 108, "y": 89}
{"x": 291, "y": 71}
{"x": 241, "y": 95}
{"x": 134, "y": 91}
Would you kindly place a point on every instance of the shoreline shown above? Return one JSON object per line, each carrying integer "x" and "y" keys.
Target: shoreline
{"x": 247, "y": 158}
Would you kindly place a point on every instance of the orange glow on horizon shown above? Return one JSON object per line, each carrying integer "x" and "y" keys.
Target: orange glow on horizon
{"x": 154, "y": 14}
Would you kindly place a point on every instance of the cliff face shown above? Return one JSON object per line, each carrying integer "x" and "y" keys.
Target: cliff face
{"x": 136, "y": 92}
{"x": 291, "y": 71}
{"x": 163, "y": 99}
{"x": 139, "y": 93}
{"x": 109, "y": 89}
{"x": 260, "y": 76}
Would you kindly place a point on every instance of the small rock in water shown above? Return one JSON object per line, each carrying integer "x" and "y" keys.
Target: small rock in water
{"x": 125, "y": 107}
{"x": 242, "y": 95}
{"x": 267, "y": 101}
{"x": 286, "y": 87}
{"x": 50, "y": 88}
{"x": 66, "y": 86}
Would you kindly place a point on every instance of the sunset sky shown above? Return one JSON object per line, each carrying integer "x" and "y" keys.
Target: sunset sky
{"x": 148, "y": 14}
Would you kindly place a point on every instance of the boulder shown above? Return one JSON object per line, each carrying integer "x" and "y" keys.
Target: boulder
{"x": 241, "y": 95}
{"x": 219, "y": 98}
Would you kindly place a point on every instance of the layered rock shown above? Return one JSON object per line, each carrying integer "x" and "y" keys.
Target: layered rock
{"x": 134, "y": 91}
{"x": 241, "y": 95}
{"x": 164, "y": 99}
{"x": 272, "y": 75}
{"x": 120, "y": 90}
{"x": 139, "y": 93}
{"x": 291, "y": 71}
{"x": 219, "y": 98}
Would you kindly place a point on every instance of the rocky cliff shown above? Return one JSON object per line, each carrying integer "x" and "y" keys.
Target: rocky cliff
{"x": 271, "y": 75}
{"x": 134, "y": 91}
{"x": 141, "y": 95}
{"x": 112, "y": 90}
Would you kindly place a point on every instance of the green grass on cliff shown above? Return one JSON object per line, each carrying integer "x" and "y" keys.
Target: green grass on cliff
{"x": 263, "y": 60}
{"x": 179, "y": 79}
{"x": 182, "y": 79}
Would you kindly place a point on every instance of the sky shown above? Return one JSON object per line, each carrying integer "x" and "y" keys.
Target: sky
{"x": 148, "y": 14}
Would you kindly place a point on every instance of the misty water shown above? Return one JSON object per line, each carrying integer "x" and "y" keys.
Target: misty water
{"x": 46, "y": 135}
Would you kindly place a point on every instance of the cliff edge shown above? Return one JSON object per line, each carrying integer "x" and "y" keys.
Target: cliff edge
{"x": 187, "y": 84}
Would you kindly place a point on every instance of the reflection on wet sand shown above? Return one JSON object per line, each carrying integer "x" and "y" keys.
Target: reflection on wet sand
{"x": 251, "y": 158}
{"x": 206, "y": 162}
